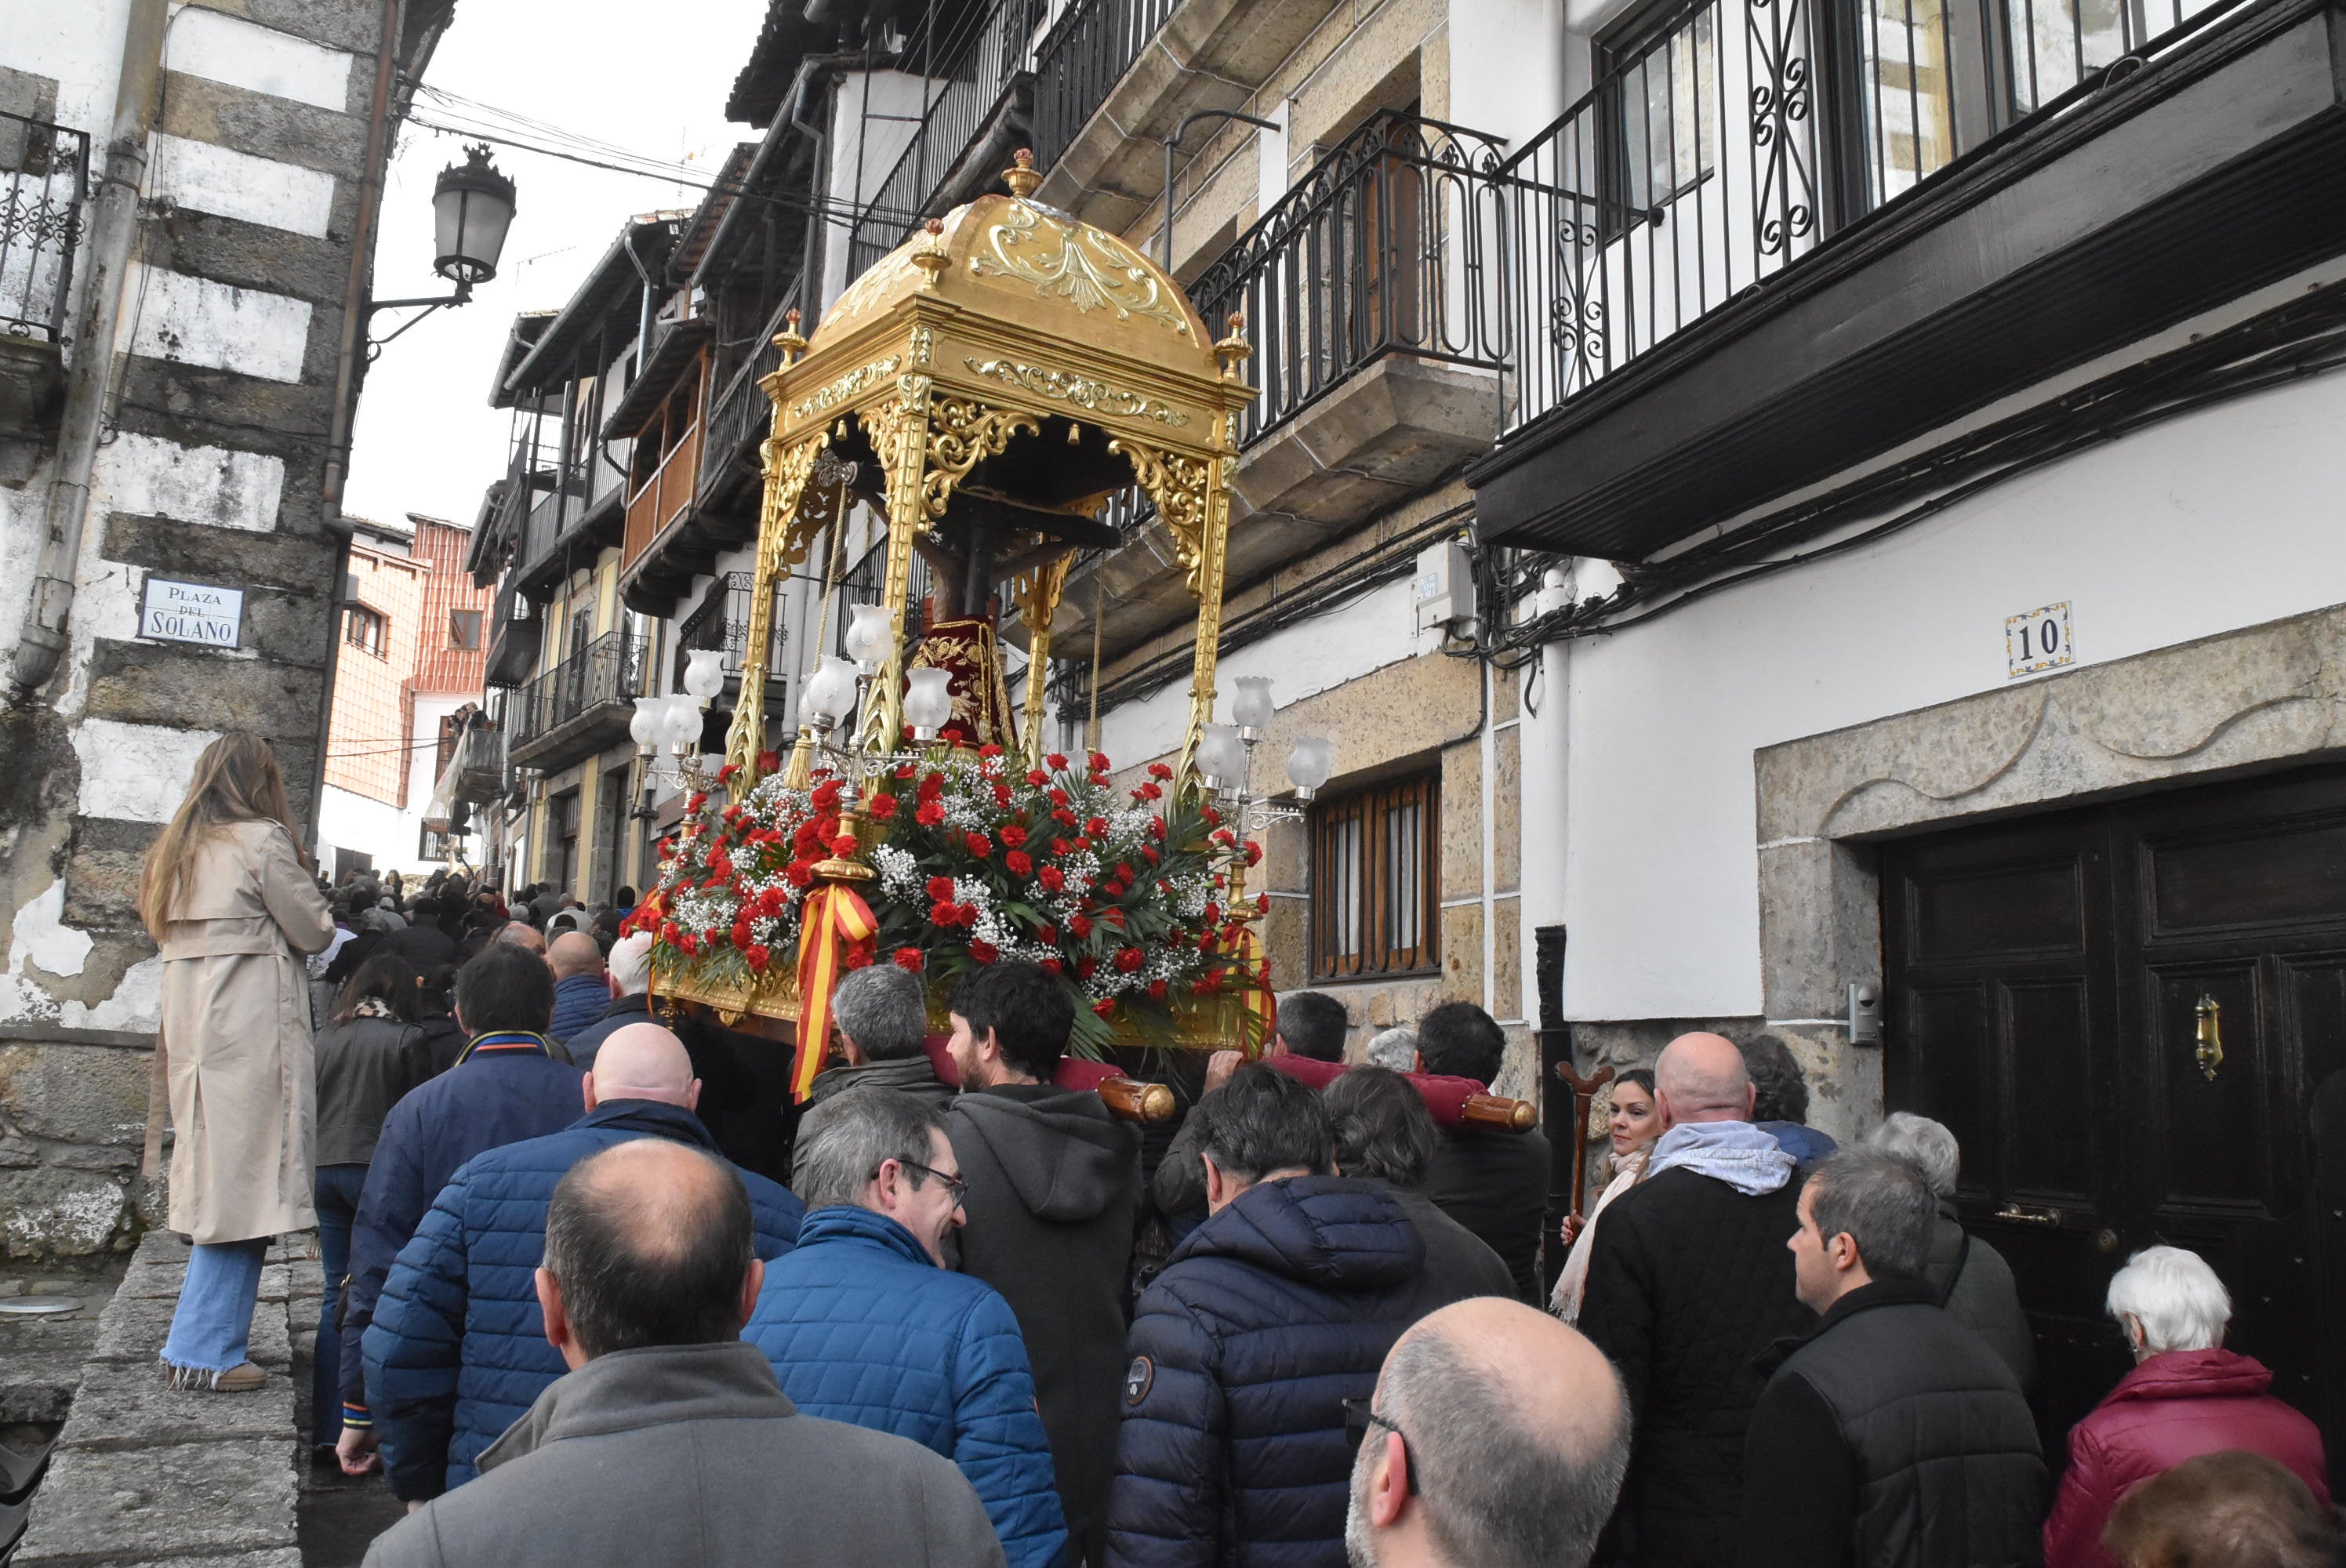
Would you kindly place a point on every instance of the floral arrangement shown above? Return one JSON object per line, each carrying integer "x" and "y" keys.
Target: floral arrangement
{"x": 1120, "y": 893}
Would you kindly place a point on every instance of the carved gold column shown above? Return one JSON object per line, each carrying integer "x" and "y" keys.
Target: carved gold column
{"x": 899, "y": 432}
{"x": 1040, "y": 591}
{"x": 786, "y": 478}
{"x": 1193, "y": 503}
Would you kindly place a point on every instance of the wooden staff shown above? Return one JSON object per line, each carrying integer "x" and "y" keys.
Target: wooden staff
{"x": 1584, "y": 1094}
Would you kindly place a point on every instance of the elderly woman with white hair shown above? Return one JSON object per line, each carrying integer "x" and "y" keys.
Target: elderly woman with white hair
{"x": 1974, "y": 1281}
{"x": 2185, "y": 1397}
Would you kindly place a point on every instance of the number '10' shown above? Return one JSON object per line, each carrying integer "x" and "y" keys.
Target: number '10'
{"x": 2048, "y": 640}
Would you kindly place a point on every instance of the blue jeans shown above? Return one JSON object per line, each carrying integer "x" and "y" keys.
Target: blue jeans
{"x": 337, "y": 1194}
{"x": 212, "y": 1326}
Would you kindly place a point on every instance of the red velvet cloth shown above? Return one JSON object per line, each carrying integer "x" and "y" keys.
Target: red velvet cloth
{"x": 1074, "y": 1072}
{"x": 1445, "y": 1096}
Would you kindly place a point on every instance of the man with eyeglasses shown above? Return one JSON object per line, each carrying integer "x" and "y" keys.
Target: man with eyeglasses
{"x": 1496, "y": 1439}
{"x": 868, "y": 1326}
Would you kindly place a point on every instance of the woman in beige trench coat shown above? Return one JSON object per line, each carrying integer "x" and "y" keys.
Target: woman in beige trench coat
{"x": 229, "y": 899}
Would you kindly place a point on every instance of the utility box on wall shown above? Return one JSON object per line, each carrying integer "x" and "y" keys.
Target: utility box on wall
{"x": 1444, "y": 589}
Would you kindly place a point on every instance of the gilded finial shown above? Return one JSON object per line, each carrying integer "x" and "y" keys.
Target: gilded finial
{"x": 787, "y": 339}
{"x": 931, "y": 257}
{"x": 1020, "y": 177}
{"x": 1234, "y": 351}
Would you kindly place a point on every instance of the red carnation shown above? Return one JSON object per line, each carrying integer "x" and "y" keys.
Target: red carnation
{"x": 1086, "y": 966}
{"x": 1037, "y": 777}
{"x": 1011, "y": 834}
{"x": 1018, "y": 863}
{"x": 1113, "y": 917}
{"x": 1081, "y": 925}
{"x": 1052, "y": 966}
{"x": 881, "y": 806}
{"x": 930, "y": 814}
{"x": 1002, "y": 796}
{"x": 686, "y": 945}
{"x": 1064, "y": 817}
{"x": 1158, "y": 770}
{"x": 1097, "y": 828}
{"x": 1105, "y": 1007}
{"x": 1129, "y": 959}
{"x": 906, "y": 771}
{"x": 909, "y": 958}
{"x": 1253, "y": 853}
{"x": 800, "y": 873}
{"x": 1156, "y": 990}
{"x": 1060, "y": 798}
{"x": 667, "y": 932}
{"x": 699, "y": 799}
{"x": 768, "y": 761}
{"x": 758, "y": 957}
{"x": 845, "y": 846}
{"x": 742, "y": 934}
{"x": 939, "y": 889}
{"x": 1213, "y": 818}
{"x": 826, "y": 796}
{"x": 1156, "y": 826}
{"x": 989, "y": 749}
{"x": 1056, "y": 761}
{"x": 725, "y": 774}
{"x": 1263, "y": 903}
{"x": 1099, "y": 761}
{"x": 857, "y": 958}
{"x": 942, "y": 913}
{"x": 770, "y": 902}
{"x": 977, "y": 844}
{"x": 1048, "y": 935}
{"x": 1052, "y": 877}
{"x": 1226, "y": 839}
{"x": 984, "y": 952}
{"x": 1148, "y": 792}
{"x": 1150, "y": 850}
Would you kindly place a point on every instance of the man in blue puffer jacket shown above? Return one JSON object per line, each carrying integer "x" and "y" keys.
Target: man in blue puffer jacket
{"x": 457, "y": 1350}
{"x": 1270, "y": 1316}
{"x": 863, "y": 1324}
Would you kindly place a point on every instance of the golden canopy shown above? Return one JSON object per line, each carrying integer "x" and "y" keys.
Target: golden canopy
{"x": 1014, "y": 360}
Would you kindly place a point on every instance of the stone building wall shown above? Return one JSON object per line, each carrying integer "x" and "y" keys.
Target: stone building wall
{"x": 214, "y": 473}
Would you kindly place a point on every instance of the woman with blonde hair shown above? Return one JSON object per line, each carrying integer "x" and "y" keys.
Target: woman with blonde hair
{"x": 228, "y": 895}
{"x": 1634, "y": 1123}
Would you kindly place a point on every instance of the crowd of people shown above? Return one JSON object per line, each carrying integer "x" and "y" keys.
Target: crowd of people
{"x": 966, "y": 1315}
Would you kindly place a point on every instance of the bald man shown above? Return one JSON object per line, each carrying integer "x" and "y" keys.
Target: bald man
{"x": 457, "y": 1350}
{"x": 667, "y": 1439}
{"x": 1496, "y": 1439}
{"x": 1688, "y": 1280}
{"x": 581, "y": 990}
{"x": 521, "y": 933}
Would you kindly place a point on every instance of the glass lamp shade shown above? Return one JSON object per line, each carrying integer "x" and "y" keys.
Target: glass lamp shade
{"x": 928, "y": 703}
{"x": 1221, "y": 756}
{"x": 649, "y": 722}
{"x": 830, "y": 692}
{"x": 680, "y": 726}
{"x": 1308, "y": 764}
{"x": 472, "y": 207}
{"x": 869, "y": 635}
{"x": 704, "y": 673}
{"x": 1251, "y": 708}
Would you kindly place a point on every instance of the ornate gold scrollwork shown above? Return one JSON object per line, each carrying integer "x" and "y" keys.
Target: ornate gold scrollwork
{"x": 961, "y": 435}
{"x": 826, "y": 398}
{"x": 899, "y": 433}
{"x": 1090, "y": 269}
{"x": 1065, "y": 386}
{"x": 1178, "y": 484}
{"x": 781, "y": 541}
{"x": 923, "y": 345}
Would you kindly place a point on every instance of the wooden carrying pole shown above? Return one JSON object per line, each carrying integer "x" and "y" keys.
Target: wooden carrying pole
{"x": 1584, "y": 1094}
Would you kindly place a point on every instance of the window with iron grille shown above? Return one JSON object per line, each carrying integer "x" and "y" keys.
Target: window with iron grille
{"x": 364, "y": 628}
{"x": 1375, "y": 881}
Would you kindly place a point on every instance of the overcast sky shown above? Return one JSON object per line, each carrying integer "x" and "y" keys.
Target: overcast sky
{"x": 651, "y": 78}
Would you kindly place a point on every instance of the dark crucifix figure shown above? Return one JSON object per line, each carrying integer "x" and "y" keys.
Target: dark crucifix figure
{"x": 985, "y": 539}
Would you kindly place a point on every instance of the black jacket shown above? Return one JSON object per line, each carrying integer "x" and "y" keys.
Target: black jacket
{"x": 1053, "y": 1198}
{"x": 1688, "y": 1280}
{"x": 1458, "y": 1263}
{"x": 364, "y": 1066}
{"x": 1891, "y": 1436}
{"x": 1495, "y": 1185}
{"x": 1268, "y": 1318}
{"x": 617, "y": 1013}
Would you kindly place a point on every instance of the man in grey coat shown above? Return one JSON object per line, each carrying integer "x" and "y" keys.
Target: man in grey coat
{"x": 647, "y": 1280}
{"x": 882, "y": 1018}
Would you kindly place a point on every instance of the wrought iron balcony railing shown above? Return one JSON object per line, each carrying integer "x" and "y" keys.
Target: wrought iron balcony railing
{"x": 977, "y": 64}
{"x": 1739, "y": 136}
{"x": 43, "y": 188}
{"x": 741, "y": 415}
{"x": 1391, "y": 244}
{"x": 612, "y": 669}
{"x": 1094, "y": 42}
{"x": 722, "y": 621}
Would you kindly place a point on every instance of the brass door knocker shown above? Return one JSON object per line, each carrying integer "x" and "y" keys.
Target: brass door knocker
{"x": 2208, "y": 1019}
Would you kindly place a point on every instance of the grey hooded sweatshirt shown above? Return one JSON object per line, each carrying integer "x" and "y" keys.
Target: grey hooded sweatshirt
{"x": 1053, "y": 1198}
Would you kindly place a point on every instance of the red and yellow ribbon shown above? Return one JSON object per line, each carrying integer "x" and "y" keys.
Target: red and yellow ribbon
{"x": 835, "y": 925}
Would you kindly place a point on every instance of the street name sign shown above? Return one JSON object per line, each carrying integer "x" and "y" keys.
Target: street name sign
{"x": 191, "y": 613}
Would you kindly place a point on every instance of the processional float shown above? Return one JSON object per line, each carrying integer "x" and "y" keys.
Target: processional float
{"x": 985, "y": 387}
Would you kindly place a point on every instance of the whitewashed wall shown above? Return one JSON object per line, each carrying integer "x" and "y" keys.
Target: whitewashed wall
{"x": 2221, "y": 519}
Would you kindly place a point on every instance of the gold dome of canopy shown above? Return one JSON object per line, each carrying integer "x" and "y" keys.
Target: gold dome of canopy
{"x": 1008, "y": 267}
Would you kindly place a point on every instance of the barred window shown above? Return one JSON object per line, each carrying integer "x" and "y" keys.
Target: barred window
{"x": 1375, "y": 881}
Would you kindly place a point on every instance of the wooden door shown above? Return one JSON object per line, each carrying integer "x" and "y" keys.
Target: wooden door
{"x": 2047, "y": 978}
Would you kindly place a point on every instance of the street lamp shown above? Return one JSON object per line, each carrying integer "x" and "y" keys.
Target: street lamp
{"x": 472, "y": 207}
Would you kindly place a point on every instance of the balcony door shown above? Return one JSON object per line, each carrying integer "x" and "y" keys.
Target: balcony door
{"x": 2133, "y": 1017}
